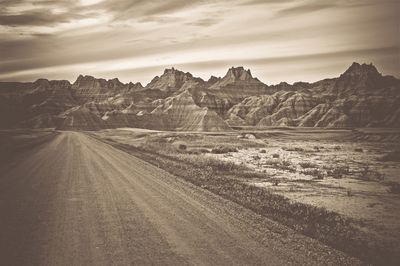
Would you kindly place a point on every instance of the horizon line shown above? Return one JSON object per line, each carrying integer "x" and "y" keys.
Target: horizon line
{"x": 197, "y": 77}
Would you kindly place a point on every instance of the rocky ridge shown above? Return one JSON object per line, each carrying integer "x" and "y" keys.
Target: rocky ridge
{"x": 360, "y": 97}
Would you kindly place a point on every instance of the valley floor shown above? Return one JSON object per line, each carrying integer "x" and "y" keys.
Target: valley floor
{"x": 347, "y": 175}
{"x": 67, "y": 198}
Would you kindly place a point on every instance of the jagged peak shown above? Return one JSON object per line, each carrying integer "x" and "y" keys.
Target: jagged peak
{"x": 284, "y": 84}
{"x": 60, "y": 82}
{"x": 42, "y": 83}
{"x": 135, "y": 85}
{"x": 83, "y": 78}
{"x": 45, "y": 83}
{"x": 40, "y": 80}
{"x": 301, "y": 84}
{"x": 235, "y": 74}
{"x": 115, "y": 80}
{"x": 213, "y": 79}
{"x": 359, "y": 78}
{"x": 87, "y": 78}
{"x": 175, "y": 71}
{"x": 238, "y": 73}
{"x": 171, "y": 70}
{"x": 171, "y": 78}
{"x": 357, "y": 69}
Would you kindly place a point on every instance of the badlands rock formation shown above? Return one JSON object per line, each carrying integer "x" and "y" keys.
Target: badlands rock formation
{"x": 360, "y": 97}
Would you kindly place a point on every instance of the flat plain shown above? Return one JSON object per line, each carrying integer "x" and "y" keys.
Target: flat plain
{"x": 67, "y": 198}
{"x": 351, "y": 176}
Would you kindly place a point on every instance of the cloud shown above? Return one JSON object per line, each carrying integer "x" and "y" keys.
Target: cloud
{"x": 140, "y": 9}
{"x": 205, "y": 22}
{"x": 37, "y": 13}
{"x": 317, "y": 5}
{"x": 36, "y": 17}
{"x": 263, "y": 2}
{"x": 306, "y": 8}
{"x": 61, "y": 37}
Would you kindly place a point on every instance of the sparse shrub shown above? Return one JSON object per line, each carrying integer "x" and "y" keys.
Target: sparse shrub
{"x": 314, "y": 172}
{"x": 255, "y": 175}
{"x": 349, "y": 193}
{"x": 293, "y": 149}
{"x": 275, "y": 155}
{"x": 263, "y": 151}
{"x": 256, "y": 157}
{"x": 272, "y": 162}
{"x": 368, "y": 175}
{"x": 337, "y": 148}
{"x": 198, "y": 151}
{"x": 195, "y": 152}
{"x": 339, "y": 172}
{"x": 358, "y": 150}
{"x": 223, "y": 149}
{"x": 328, "y": 227}
{"x": 202, "y": 161}
{"x": 286, "y": 165}
{"x": 157, "y": 145}
{"x": 201, "y": 150}
{"x": 308, "y": 165}
{"x": 282, "y": 165}
{"x": 182, "y": 147}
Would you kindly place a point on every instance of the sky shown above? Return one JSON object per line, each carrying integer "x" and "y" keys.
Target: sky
{"x": 135, "y": 40}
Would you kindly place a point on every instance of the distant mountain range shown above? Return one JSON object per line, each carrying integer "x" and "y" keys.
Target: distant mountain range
{"x": 360, "y": 97}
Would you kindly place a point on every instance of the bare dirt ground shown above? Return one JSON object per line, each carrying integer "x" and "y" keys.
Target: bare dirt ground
{"x": 340, "y": 170}
{"x": 69, "y": 199}
{"x": 361, "y": 189}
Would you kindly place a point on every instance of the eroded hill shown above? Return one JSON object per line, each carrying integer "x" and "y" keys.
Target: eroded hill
{"x": 360, "y": 97}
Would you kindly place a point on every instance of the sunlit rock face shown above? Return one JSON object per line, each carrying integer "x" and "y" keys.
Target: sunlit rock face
{"x": 171, "y": 80}
{"x": 280, "y": 108}
{"x": 181, "y": 113}
{"x": 88, "y": 88}
{"x": 360, "y": 97}
{"x": 235, "y": 86}
{"x": 251, "y": 110}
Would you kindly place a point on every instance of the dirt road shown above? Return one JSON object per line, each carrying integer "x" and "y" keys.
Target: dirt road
{"x": 77, "y": 201}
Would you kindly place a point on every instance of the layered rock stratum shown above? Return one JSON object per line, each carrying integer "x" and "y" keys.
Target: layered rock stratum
{"x": 176, "y": 100}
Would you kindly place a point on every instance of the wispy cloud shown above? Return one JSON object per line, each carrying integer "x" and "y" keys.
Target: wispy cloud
{"x": 36, "y": 17}
{"x": 118, "y": 37}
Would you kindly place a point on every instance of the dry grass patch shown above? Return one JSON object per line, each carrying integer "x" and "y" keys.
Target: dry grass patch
{"x": 308, "y": 165}
{"x": 318, "y": 174}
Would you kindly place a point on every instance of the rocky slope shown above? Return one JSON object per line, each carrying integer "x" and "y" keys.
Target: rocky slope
{"x": 223, "y": 94}
{"x": 360, "y": 97}
{"x": 181, "y": 113}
